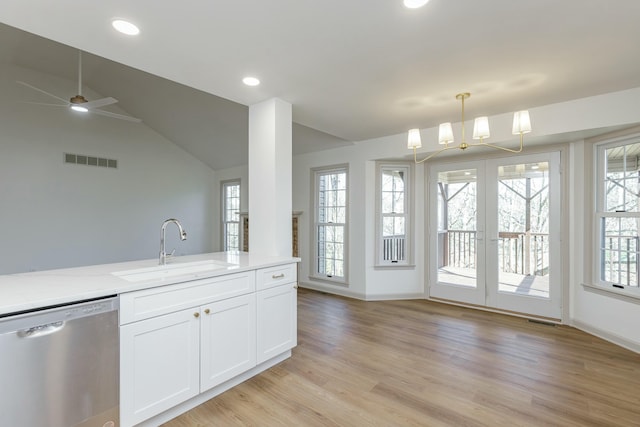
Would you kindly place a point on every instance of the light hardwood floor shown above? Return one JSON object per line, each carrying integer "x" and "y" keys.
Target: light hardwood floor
{"x": 421, "y": 363}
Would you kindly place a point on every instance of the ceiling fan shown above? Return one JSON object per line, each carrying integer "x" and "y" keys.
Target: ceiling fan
{"x": 80, "y": 103}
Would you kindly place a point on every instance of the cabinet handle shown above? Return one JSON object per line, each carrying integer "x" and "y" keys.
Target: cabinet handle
{"x": 278, "y": 276}
{"x": 295, "y": 286}
{"x": 207, "y": 311}
{"x": 196, "y": 314}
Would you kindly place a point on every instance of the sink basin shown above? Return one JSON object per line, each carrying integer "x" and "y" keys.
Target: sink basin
{"x": 170, "y": 270}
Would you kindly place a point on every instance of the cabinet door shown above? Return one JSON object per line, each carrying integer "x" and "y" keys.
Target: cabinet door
{"x": 277, "y": 321}
{"x": 159, "y": 364}
{"x": 228, "y": 339}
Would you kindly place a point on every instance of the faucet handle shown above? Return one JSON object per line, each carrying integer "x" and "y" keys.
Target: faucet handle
{"x": 172, "y": 252}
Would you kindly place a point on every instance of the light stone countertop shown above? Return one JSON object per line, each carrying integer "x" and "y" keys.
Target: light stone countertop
{"x": 29, "y": 291}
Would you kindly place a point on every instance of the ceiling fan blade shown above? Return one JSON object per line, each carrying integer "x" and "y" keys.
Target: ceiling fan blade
{"x": 45, "y": 104}
{"x": 42, "y": 91}
{"x": 98, "y": 103}
{"x": 116, "y": 116}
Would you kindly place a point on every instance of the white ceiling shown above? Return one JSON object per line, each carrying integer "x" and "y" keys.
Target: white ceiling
{"x": 355, "y": 69}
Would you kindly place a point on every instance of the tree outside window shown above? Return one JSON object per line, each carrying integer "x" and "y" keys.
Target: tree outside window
{"x": 618, "y": 213}
{"x": 231, "y": 215}
{"x": 330, "y": 223}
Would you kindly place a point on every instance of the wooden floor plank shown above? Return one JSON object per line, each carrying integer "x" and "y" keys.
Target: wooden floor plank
{"x": 423, "y": 363}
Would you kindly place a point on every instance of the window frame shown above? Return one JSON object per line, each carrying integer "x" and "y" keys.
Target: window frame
{"x": 600, "y": 213}
{"x": 314, "y": 274}
{"x": 223, "y": 209}
{"x": 380, "y": 262}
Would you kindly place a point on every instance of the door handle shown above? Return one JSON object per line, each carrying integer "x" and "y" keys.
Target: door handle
{"x": 40, "y": 331}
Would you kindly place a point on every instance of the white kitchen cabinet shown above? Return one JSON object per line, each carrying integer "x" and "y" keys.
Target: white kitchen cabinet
{"x": 172, "y": 358}
{"x": 276, "y": 311}
{"x": 159, "y": 364}
{"x": 187, "y": 342}
{"x": 228, "y": 339}
{"x": 167, "y": 334}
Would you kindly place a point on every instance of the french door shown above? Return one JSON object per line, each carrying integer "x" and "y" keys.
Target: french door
{"x": 494, "y": 233}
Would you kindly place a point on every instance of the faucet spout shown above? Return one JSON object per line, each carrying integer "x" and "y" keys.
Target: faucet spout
{"x": 163, "y": 232}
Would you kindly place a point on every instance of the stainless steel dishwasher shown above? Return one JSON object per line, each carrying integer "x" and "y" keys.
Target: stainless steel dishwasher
{"x": 59, "y": 367}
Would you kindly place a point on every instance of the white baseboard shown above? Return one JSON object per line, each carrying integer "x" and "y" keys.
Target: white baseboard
{"x": 336, "y": 290}
{"x": 346, "y": 292}
{"x": 608, "y": 336}
{"x": 390, "y": 297}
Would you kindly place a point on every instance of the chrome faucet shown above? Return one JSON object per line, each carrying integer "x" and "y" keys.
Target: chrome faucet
{"x": 183, "y": 236}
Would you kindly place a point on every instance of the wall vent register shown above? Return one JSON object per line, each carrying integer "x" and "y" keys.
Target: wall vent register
{"x": 82, "y": 159}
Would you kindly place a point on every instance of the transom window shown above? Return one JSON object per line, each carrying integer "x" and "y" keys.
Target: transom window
{"x": 618, "y": 213}
{"x": 330, "y": 236}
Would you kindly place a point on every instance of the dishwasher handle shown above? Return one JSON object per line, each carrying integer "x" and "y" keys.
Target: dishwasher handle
{"x": 40, "y": 331}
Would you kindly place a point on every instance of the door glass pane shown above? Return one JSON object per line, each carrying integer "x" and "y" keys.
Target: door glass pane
{"x": 457, "y": 209}
{"x": 523, "y": 229}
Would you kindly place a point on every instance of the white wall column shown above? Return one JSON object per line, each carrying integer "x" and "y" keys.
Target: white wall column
{"x": 270, "y": 178}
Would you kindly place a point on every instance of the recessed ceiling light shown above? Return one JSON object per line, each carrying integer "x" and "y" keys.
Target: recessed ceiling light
{"x": 251, "y": 81}
{"x": 414, "y": 4}
{"x": 125, "y": 27}
{"x": 79, "y": 108}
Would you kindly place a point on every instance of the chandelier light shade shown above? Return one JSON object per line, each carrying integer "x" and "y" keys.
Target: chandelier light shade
{"x": 445, "y": 134}
{"x": 481, "y": 128}
{"x": 414, "y": 139}
{"x": 521, "y": 122}
{"x": 521, "y": 125}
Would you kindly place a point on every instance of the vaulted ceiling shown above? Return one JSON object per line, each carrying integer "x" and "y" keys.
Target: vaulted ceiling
{"x": 209, "y": 127}
{"x": 353, "y": 70}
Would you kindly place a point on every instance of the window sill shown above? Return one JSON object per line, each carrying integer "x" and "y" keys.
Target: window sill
{"x": 329, "y": 281}
{"x": 626, "y": 293}
{"x": 394, "y": 266}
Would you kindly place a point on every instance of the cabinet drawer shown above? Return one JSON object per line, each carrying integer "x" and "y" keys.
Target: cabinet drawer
{"x": 274, "y": 276}
{"x": 153, "y": 302}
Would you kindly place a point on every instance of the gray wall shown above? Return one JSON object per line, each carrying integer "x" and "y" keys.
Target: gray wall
{"x": 56, "y": 215}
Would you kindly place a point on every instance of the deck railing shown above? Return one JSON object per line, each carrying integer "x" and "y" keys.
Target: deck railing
{"x": 457, "y": 248}
{"x": 528, "y": 254}
{"x": 524, "y": 253}
{"x": 621, "y": 260}
{"x": 520, "y": 253}
{"x": 393, "y": 248}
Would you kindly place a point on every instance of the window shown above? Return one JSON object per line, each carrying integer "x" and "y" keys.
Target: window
{"x": 330, "y": 223}
{"x": 618, "y": 213}
{"x": 231, "y": 215}
{"x": 393, "y": 214}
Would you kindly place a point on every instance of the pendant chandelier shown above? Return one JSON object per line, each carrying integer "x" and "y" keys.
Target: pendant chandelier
{"x": 521, "y": 125}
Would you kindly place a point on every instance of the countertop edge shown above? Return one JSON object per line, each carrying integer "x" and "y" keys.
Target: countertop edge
{"x": 37, "y": 290}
